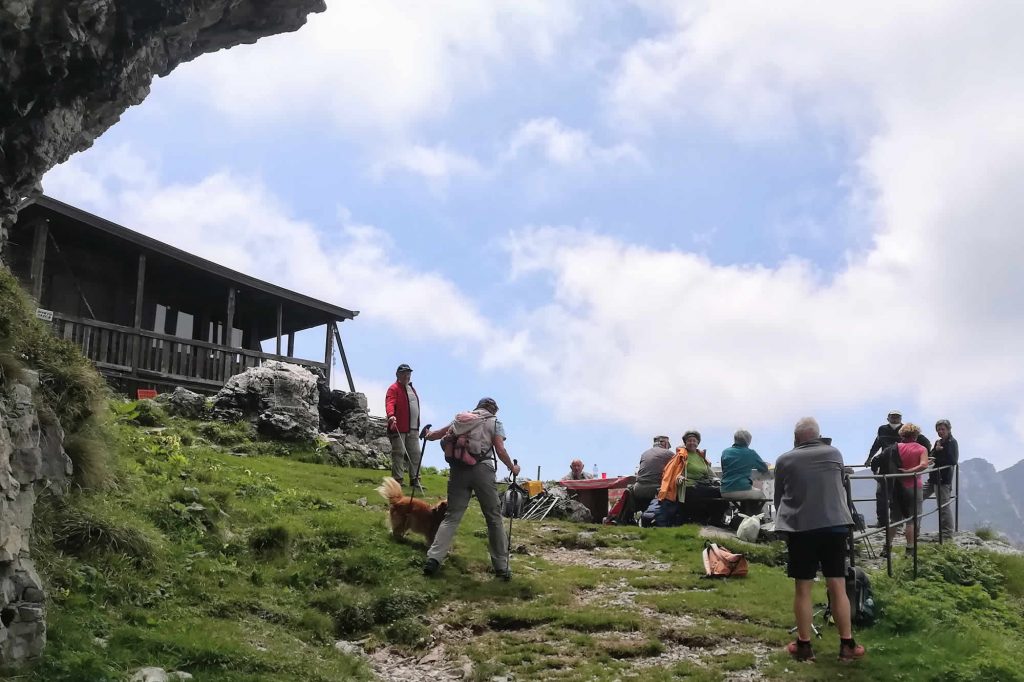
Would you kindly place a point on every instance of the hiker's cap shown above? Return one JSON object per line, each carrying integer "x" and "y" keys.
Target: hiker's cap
{"x": 895, "y": 413}
{"x": 403, "y": 368}
{"x": 487, "y": 403}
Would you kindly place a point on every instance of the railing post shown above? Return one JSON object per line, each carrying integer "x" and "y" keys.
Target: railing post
{"x": 956, "y": 507}
{"x": 937, "y": 487}
{"x": 140, "y": 292}
{"x": 888, "y": 522}
{"x": 917, "y": 521}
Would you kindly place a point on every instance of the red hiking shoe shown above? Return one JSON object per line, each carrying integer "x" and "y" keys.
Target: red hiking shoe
{"x": 851, "y": 653}
{"x": 801, "y": 653}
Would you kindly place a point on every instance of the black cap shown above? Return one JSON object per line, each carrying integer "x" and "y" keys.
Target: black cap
{"x": 403, "y": 368}
{"x": 487, "y": 403}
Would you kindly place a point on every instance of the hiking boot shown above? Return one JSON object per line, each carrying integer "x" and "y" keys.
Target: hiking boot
{"x": 851, "y": 653}
{"x": 431, "y": 567}
{"x": 503, "y": 576}
{"x": 417, "y": 486}
{"x": 801, "y": 651}
{"x": 909, "y": 551}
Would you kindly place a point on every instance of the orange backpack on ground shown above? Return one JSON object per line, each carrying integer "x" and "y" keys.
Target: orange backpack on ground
{"x": 721, "y": 563}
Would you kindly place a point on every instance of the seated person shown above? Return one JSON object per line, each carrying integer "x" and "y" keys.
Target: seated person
{"x": 648, "y": 480}
{"x": 576, "y": 472}
{"x": 688, "y": 491}
{"x": 737, "y": 463}
{"x": 648, "y": 473}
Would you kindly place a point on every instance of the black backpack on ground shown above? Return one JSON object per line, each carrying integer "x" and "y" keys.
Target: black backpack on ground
{"x": 862, "y": 599}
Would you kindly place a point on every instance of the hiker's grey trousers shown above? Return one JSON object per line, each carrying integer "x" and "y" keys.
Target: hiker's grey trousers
{"x": 403, "y": 444}
{"x": 463, "y": 481}
{"x": 942, "y": 492}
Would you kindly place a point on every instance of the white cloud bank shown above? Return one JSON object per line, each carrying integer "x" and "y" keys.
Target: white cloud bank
{"x": 930, "y": 311}
{"x": 379, "y": 67}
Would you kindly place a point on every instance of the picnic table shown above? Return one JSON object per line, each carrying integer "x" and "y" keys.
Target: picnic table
{"x": 593, "y": 493}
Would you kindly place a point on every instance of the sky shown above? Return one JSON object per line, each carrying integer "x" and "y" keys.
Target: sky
{"x": 619, "y": 219}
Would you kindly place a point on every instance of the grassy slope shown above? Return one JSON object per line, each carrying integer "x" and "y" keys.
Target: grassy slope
{"x": 282, "y": 559}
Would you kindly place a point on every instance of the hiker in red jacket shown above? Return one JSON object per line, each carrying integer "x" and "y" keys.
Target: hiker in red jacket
{"x": 402, "y": 406}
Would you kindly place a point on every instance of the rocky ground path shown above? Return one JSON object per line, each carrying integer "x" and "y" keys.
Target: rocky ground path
{"x": 443, "y": 660}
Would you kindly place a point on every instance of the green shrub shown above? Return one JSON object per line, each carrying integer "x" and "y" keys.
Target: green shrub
{"x": 149, "y": 413}
{"x": 352, "y": 611}
{"x": 398, "y": 603}
{"x": 81, "y": 532}
{"x": 270, "y": 541}
{"x": 224, "y": 433}
{"x": 90, "y": 453}
{"x": 956, "y": 566}
{"x": 986, "y": 533}
{"x": 319, "y": 625}
{"x": 407, "y": 632}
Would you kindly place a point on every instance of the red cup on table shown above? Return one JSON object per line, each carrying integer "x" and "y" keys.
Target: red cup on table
{"x": 604, "y": 474}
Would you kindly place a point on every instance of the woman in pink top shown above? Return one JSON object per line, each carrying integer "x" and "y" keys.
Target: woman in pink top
{"x": 913, "y": 458}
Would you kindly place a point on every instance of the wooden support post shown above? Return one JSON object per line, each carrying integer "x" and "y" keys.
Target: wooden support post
{"x": 280, "y": 315}
{"x": 39, "y": 259}
{"x": 329, "y": 350}
{"x": 344, "y": 359}
{"x": 140, "y": 291}
{"x": 291, "y": 344}
{"x": 229, "y": 325}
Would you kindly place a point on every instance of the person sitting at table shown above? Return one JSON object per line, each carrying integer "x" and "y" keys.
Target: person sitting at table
{"x": 688, "y": 490}
{"x": 639, "y": 494}
{"x": 737, "y": 463}
{"x": 576, "y": 472}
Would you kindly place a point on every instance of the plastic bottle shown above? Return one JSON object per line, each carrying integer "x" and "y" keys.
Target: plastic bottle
{"x": 595, "y": 470}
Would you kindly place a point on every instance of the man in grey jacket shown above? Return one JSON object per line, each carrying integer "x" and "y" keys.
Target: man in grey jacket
{"x": 813, "y": 512}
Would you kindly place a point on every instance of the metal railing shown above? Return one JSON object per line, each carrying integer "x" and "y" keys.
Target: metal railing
{"x": 887, "y": 480}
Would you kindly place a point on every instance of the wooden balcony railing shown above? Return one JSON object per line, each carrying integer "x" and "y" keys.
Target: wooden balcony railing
{"x": 146, "y": 354}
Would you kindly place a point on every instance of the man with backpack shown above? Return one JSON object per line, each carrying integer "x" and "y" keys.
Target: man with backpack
{"x": 472, "y": 443}
{"x": 812, "y": 510}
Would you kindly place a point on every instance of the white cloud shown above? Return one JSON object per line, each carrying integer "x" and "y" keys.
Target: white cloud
{"x": 236, "y": 221}
{"x": 564, "y": 146}
{"x": 438, "y": 165}
{"x": 927, "y": 311}
{"x": 379, "y": 67}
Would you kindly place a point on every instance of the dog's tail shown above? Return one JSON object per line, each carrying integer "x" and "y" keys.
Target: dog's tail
{"x": 390, "y": 490}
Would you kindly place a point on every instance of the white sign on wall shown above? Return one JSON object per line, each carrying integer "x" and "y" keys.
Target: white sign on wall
{"x": 45, "y": 315}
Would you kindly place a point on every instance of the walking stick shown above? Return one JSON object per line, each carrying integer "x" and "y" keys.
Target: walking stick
{"x": 423, "y": 449}
{"x": 513, "y": 496}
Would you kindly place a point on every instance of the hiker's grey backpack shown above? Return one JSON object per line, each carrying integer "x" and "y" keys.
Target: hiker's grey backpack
{"x": 862, "y": 599}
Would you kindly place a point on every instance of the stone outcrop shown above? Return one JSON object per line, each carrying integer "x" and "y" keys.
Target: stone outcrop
{"x": 279, "y": 397}
{"x": 182, "y": 402}
{"x": 69, "y": 69}
{"x": 32, "y": 458}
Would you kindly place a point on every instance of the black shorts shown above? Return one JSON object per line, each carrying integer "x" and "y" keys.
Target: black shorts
{"x": 814, "y": 548}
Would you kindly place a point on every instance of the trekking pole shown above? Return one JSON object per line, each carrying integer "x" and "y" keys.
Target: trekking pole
{"x": 512, "y": 494}
{"x": 423, "y": 450}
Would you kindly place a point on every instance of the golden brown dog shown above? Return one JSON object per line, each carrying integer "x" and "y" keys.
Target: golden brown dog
{"x": 407, "y": 513}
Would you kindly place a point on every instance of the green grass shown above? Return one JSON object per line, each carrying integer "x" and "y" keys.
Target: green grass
{"x": 242, "y": 568}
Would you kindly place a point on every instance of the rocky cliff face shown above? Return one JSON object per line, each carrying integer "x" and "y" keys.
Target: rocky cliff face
{"x": 32, "y": 457}
{"x": 68, "y": 68}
